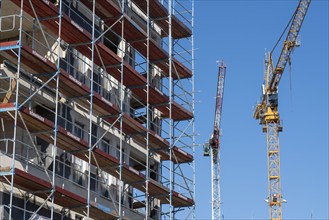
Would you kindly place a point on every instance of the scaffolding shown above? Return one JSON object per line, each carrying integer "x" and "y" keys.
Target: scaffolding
{"x": 97, "y": 109}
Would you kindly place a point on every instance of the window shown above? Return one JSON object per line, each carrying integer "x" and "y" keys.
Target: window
{"x": 107, "y": 89}
{"x": 105, "y": 145}
{"x": 65, "y": 119}
{"x": 75, "y": 66}
{"x": 118, "y": 153}
{"x": 77, "y": 175}
{"x": 107, "y": 85}
{"x": 115, "y": 192}
{"x": 94, "y": 129}
{"x": 63, "y": 167}
{"x": 45, "y": 112}
{"x": 156, "y": 81}
{"x": 71, "y": 57}
{"x": 104, "y": 185}
{"x": 130, "y": 56}
{"x": 77, "y": 72}
{"x": 153, "y": 172}
{"x": 126, "y": 101}
{"x": 115, "y": 95}
{"x": 78, "y": 217}
{"x": 78, "y": 130}
{"x": 97, "y": 82}
{"x": 93, "y": 178}
{"x": 156, "y": 125}
{"x": 67, "y": 166}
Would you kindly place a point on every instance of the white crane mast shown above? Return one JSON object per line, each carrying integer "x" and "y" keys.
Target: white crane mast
{"x": 214, "y": 144}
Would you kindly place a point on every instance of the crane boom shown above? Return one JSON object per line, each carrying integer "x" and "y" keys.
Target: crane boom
{"x": 214, "y": 143}
{"x": 289, "y": 43}
{"x": 274, "y": 76}
{"x": 219, "y": 94}
{"x": 268, "y": 114}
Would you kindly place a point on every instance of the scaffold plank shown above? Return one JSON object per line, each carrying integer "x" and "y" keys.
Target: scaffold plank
{"x": 179, "y": 200}
{"x": 178, "y": 112}
{"x": 6, "y": 171}
{"x": 161, "y": 102}
{"x": 71, "y": 87}
{"x": 139, "y": 204}
{"x": 155, "y": 95}
{"x": 179, "y": 70}
{"x": 130, "y": 126}
{"x": 160, "y": 14}
{"x": 9, "y": 45}
{"x": 4, "y": 107}
{"x": 131, "y": 32}
{"x": 105, "y": 8}
{"x": 131, "y": 77}
{"x": 28, "y": 182}
{"x": 137, "y": 38}
{"x": 69, "y": 142}
{"x": 178, "y": 156}
{"x": 79, "y": 38}
{"x": 32, "y": 59}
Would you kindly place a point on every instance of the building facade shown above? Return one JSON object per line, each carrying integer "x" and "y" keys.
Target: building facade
{"x": 96, "y": 109}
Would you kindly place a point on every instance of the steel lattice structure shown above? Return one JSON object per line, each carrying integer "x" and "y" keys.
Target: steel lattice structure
{"x": 273, "y": 151}
{"x": 214, "y": 145}
{"x": 215, "y": 185}
{"x": 267, "y": 110}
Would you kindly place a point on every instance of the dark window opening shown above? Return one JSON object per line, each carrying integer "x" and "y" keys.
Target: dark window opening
{"x": 78, "y": 130}
{"x": 45, "y": 112}
{"x": 105, "y": 145}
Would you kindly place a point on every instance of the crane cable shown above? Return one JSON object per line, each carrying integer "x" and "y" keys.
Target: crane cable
{"x": 290, "y": 82}
{"x": 284, "y": 31}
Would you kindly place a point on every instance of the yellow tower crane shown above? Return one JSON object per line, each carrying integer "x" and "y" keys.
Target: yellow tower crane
{"x": 267, "y": 110}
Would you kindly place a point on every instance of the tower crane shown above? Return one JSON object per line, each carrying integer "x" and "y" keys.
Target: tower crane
{"x": 267, "y": 110}
{"x": 213, "y": 147}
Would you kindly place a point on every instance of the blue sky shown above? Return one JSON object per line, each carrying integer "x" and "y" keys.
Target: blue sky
{"x": 239, "y": 32}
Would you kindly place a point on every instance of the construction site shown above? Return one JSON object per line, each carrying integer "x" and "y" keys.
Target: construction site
{"x": 97, "y": 109}
{"x": 98, "y": 117}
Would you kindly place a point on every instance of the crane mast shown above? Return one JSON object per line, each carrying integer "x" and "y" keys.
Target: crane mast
{"x": 267, "y": 110}
{"x": 214, "y": 144}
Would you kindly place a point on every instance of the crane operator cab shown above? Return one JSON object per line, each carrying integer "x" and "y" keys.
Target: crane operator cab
{"x": 206, "y": 150}
{"x": 272, "y": 100}
{"x": 213, "y": 143}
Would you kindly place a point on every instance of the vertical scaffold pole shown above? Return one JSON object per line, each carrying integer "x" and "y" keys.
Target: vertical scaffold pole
{"x": 123, "y": 2}
{"x": 193, "y": 110}
{"x": 16, "y": 111}
{"x": 171, "y": 141}
{"x": 90, "y": 144}
{"x": 148, "y": 118}
{"x": 54, "y": 148}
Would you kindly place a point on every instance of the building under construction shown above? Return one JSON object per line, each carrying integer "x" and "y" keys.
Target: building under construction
{"x": 96, "y": 109}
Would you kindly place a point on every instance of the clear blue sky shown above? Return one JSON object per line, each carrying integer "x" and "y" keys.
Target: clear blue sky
{"x": 239, "y": 32}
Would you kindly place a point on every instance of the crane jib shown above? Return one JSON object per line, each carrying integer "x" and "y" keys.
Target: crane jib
{"x": 219, "y": 95}
{"x": 289, "y": 43}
